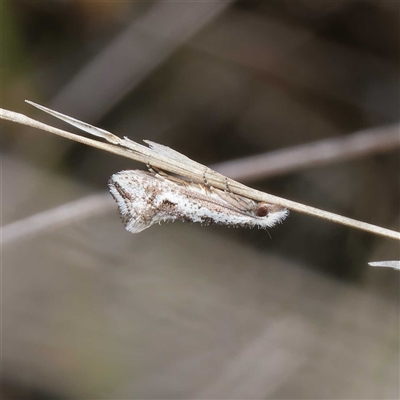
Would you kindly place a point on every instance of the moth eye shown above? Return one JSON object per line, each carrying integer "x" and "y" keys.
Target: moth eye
{"x": 262, "y": 210}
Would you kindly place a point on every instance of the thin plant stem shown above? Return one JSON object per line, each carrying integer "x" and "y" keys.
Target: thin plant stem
{"x": 171, "y": 161}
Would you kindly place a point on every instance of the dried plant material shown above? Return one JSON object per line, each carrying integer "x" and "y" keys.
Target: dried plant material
{"x": 386, "y": 264}
{"x": 171, "y": 161}
{"x": 147, "y": 198}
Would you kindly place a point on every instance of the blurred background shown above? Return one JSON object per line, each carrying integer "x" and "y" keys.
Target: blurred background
{"x": 179, "y": 310}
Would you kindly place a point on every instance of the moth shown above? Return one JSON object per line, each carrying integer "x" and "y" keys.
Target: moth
{"x": 146, "y": 198}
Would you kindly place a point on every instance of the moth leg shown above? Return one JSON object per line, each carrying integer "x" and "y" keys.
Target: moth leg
{"x": 151, "y": 169}
{"x": 240, "y": 203}
{"x": 175, "y": 179}
{"x": 242, "y": 200}
{"x": 158, "y": 171}
{"x": 228, "y": 189}
{"x": 167, "y": 176}
{"x": 245, "y": 203}
{"x": 206, "y": 183}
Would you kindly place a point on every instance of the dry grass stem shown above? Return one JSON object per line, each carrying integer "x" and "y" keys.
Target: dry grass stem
{"x": 386, "y": 264}
{"x": 169, "y": 160}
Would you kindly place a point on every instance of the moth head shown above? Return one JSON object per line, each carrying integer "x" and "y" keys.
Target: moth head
{"x": 271, "y": 212}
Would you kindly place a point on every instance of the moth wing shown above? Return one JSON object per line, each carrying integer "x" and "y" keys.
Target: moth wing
{"x": 130, "y": 191}
{"x": 241, "y": 204}
{"x": 135, "y": 226}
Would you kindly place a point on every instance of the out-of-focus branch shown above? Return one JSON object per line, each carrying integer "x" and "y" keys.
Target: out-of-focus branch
{"x": 143, "y": 46}
{"x": 370, "y": 141}
{"x": 85, "y": 207}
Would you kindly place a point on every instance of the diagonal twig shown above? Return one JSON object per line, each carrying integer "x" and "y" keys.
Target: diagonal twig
{"x": 142, "y": 47}
{"x": 171, "y": 161}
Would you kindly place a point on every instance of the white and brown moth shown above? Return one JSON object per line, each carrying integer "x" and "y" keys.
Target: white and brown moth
{"x": 146, "y": 198}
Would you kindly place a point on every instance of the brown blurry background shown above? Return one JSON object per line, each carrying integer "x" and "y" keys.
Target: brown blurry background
{"x": 184, "y": 311}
